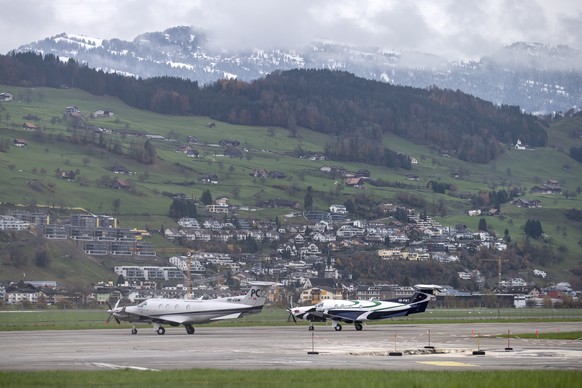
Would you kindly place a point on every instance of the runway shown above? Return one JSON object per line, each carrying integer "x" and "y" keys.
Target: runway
{"x": 288, "y": 347}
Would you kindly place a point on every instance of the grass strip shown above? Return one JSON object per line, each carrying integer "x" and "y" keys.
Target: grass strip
{"x": 293, "y": 378}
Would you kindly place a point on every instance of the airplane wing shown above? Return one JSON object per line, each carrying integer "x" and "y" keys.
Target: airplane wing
{"x": 345, "y": 315}
{"x": 174, "y": 318}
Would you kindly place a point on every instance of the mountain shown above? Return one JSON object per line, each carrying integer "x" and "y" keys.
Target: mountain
{"x": 539, "y": 78}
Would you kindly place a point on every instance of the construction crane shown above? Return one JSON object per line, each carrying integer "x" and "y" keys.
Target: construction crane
{"x": 499, "y": 260}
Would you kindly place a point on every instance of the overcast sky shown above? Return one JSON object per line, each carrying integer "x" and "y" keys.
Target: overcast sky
{"x": 455, "y": 29}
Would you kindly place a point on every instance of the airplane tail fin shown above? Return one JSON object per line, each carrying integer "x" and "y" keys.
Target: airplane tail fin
{"x": 421, "y": 297}
{"x": 257, "y": 295}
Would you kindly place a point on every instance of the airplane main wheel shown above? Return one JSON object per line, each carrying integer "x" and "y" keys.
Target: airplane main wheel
{"x": 189, "y": 329}
{"x": 161, "y": 331}
{"x": 311, "y": 328}
{"x": 134, "y": 331}
{"x": 358, "y": 326}
{"x": 338, "y": 327}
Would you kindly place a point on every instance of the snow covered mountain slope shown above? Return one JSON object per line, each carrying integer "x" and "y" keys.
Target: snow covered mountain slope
{"x": 537, "y": 77}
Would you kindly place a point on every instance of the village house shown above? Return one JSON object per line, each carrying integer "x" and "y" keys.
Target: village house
{"x": 71, "y": 111}
{"x": 354, "y": 182}
{"x": 21, "y": 143}
{"x": 339, "y": 209}
{"x": 212, "y": 178}
{"x": 120, "y": 184}
{"x": 29, "y": 126}
{"x": 6, "y": 96}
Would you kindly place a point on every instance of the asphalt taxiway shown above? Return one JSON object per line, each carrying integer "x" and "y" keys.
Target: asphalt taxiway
{"x": 294, "y": 347}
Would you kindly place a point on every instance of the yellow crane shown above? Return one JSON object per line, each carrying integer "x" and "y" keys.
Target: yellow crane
{"x": 499, "y": 260}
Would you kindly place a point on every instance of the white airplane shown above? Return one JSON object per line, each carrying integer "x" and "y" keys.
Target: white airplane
{"x": 358, "y": 311}
{"x": 176, "y": 312}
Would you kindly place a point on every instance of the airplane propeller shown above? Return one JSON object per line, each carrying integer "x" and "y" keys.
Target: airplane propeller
{"x": 290, "y": 310}
{"x": 291, "y": 316}
{"x": 111, "y": 312}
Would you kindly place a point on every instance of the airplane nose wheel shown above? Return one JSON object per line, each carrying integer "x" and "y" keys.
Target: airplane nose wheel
{"x": 311, "y": 328}
{"x": 338, "y": 327}
{"x": 189, "y": 329}
{"x": 161, "y": 331}
{"x": 358, "y": 326}
{"x": 134, "y": 331}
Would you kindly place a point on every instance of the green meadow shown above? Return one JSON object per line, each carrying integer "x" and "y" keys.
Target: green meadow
{"x": 28, "y": 174}
{"x": 300, "y": 378}
{"x": 77, "y": 318}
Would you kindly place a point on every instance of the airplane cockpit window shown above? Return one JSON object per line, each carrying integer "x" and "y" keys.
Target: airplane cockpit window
{"x": 142, "y": 305}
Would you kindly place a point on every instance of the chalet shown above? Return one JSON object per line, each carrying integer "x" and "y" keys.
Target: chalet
{"x": 120, "y": 184}
{"x": 29, "y": 126}
{"x": 211, "y": 125}
{"x": 6, "y": 96}
{"x": 527, "y": 203}
{"x": 363, "y": 173}
{"x": 217, "y": 208}
{"x": 184, "y": 148}
{"x": 19, "y": 143}
{"x": 192, "y": 153}
{"x": 223, "y": 201}
{"x": 354, "y": 182}
{"x": 519, "y": 146}
{"x": 546, "y": 189}
{"x": 120, "y": 170}
{"x": 340, "y": 209}
{"x": 212, "y": 178}
{"x": 71, "y": 111}
{"x": 192, "y": 140}
{"x": 18, "y": 294}
{"x": 68, "y": 175}
{"x": 259, "y": 173}
{"x": 102, "y": 113}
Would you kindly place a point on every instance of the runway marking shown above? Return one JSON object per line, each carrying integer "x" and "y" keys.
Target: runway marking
{"x": 113, "y": 366}
{"x": 445, "y": 363}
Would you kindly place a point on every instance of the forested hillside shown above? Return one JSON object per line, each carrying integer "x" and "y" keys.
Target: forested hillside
{"x": 355, "y": 111}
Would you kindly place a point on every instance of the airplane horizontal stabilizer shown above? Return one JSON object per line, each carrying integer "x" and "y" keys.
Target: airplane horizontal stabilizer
{"x": 229, "y": 316}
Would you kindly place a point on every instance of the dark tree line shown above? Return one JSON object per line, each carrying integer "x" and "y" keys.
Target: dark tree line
{"x": 576, "y": 154}
{"x": 332, "y": 102}
{"x": 533, "y": 229}
{"x": 183, "y": 208}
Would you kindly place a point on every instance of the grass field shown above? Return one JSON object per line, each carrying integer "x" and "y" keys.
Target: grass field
{"x": 285, "y": 378}
{"x": 61, "y": 319}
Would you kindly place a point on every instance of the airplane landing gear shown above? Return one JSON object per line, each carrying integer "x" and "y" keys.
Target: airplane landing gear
{"x": 133, "y": 330}
{"x": 159, "y": 329}
{"x": 311, "y": 328}
{"x": 189, "y": 329}
{"x": 358, "y": 326}
{"x": 338, "y": 327}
